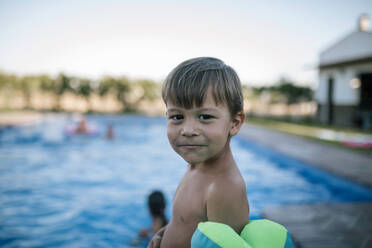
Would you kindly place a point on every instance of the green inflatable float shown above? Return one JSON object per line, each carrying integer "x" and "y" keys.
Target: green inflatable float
{"x": 257, "y": 234}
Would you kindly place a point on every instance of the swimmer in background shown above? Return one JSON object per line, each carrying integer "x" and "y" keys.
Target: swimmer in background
{"x": 156, "y": 204}
{"x": 82, "y": 127}
{"x": 110, "y": 132}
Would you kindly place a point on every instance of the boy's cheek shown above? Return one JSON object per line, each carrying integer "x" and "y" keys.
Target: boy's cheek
{"x": 169, "y": 130}
{"x": 169, "y": 135}
{"x": 171, "y": 139}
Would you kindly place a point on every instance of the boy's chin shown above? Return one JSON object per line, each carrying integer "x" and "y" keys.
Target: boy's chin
{"x": 193, "y": 157}
{"x": 193, "y": 161}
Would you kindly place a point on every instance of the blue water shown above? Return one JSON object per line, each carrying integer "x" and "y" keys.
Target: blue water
{"x": 61, "y": 191}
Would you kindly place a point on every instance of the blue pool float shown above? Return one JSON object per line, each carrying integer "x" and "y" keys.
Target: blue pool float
{"x": 257, "y": 234}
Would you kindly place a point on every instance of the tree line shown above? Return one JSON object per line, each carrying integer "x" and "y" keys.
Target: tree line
{"x": 123, "y": 89}
{"x": 283, "y": 91}
{"x": 119, "y": 87}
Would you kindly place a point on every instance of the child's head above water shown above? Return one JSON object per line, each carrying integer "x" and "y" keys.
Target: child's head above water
{"x": 187, "y": 85}
{"x": 156, "y": 203}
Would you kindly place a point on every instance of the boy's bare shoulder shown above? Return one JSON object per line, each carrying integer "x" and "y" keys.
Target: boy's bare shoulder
{"x": 227, "y": 202}
{"x": 225, "y": 188}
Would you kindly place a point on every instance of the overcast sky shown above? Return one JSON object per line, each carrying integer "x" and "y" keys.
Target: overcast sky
{"x": 262, "y": 40}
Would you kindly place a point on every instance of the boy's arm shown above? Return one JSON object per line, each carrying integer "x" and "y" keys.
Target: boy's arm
{"x": 228, "y": 204}
{"x": 155, "y": 241}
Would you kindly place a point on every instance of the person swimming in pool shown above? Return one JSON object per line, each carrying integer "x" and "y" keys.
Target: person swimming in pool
{"x": 82, "y": 127}
{"x": 110, "y": 132}
{"x": 204, "y": 104}
{"x": 156, "y": 204}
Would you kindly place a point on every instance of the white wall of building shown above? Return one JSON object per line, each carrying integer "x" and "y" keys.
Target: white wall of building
{"x": 321, "y": 92}
{"x": 343, "y": 93}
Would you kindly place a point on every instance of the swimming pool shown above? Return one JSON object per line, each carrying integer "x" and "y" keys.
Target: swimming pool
{"x": 58, "y": 191}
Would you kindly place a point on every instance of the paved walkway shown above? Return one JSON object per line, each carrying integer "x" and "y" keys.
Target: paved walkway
{"x": 334, "y": 225}
{"x": 351, "y": 165}
{"x": 346, "y": 225}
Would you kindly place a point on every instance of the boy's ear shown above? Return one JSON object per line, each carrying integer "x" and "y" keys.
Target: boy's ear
{"x": 237, "y": 123}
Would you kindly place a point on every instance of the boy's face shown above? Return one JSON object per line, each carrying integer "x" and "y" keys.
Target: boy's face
{"x": 201, "y": 133}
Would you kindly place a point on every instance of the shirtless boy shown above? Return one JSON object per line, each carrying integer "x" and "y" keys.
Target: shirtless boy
{"x": 204, "y": 110}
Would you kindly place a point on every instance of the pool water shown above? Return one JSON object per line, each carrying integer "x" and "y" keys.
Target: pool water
{"x": 76, "y": 191}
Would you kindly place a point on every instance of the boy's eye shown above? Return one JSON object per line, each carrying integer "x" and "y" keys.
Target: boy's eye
{"x": 176, "y": 117}
{"x": 205, "y": 117}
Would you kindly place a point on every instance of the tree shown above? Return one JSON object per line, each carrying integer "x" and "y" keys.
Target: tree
{"x": 122, "y": 87}
{"x": 62, "y": 85}
{"x": 27, "y": 85}
{"x": 8, "y": 81}
{"x": 85, "y": 90}
{"x": 46, "y": 83}
{"x": 106, "y": 85}
{"x": 292, "y": 92}
{"x": 150, "y": 89}
{"x": 285, "y": 91}
{"x": 8, "y": 87}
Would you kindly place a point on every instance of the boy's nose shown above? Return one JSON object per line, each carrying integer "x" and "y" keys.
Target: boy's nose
{"x": 190, "y": 129}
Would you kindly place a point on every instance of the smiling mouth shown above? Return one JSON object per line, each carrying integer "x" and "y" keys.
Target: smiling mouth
{"x": 191, "y": 147}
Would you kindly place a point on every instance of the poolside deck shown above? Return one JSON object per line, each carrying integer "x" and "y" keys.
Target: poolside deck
{"x": 338, "y": 225}
{"x": 351, "y": 165}
{"x": 343, "y": 225}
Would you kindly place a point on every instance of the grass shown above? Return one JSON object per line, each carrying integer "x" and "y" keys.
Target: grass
{"x": 312, "y": 131}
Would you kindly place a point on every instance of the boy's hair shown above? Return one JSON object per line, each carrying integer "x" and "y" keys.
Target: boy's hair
{"x": 156, "y": 202}
{"x": 187, "y": 84}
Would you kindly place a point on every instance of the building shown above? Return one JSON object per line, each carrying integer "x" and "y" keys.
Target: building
{"x": 344, "y": 94}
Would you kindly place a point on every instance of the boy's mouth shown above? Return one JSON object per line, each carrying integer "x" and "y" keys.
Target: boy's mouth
{"x": 190, "y": 146}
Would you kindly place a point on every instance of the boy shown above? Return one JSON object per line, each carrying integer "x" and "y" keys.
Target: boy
{"x": 204, "y": 104}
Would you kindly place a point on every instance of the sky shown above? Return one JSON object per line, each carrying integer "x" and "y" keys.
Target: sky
{"x": 262, "y": 40}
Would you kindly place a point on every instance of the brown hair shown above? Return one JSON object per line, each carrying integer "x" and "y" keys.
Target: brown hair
{"x": 187, "y": 84}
